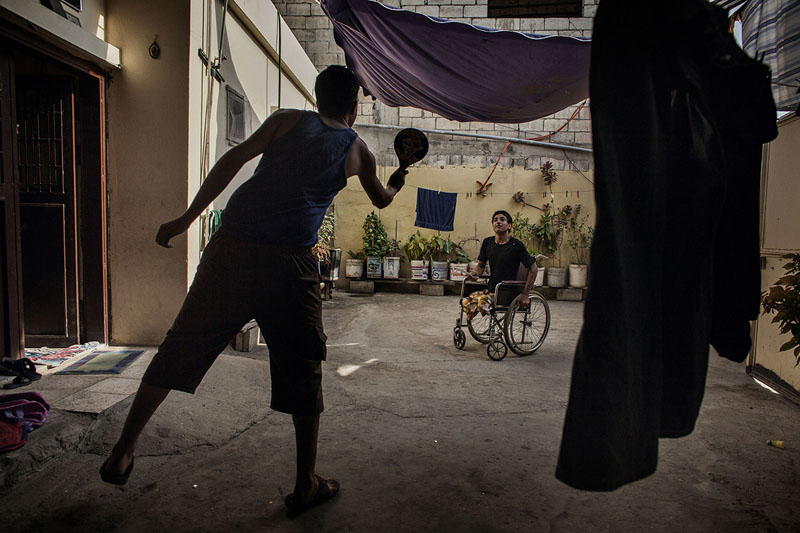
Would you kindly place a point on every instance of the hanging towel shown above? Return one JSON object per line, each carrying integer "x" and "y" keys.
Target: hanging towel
{"x": 435, "y": 210}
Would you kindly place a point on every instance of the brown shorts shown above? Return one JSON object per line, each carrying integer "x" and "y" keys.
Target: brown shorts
{"x": 238, "y": 280}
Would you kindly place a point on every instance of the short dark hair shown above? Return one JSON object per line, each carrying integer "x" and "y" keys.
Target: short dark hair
{"x": 502, "y": 212}
{"x": 337, "y": 90}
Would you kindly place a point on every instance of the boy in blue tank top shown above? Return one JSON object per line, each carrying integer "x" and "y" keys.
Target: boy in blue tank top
{"x": 261, "y": 255}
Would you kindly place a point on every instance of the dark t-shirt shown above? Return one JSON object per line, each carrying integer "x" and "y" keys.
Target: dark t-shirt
{"x": 504, "y": 259}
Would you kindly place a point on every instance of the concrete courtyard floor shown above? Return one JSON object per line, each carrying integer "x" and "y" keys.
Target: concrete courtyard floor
{"x": 422, "y": 437}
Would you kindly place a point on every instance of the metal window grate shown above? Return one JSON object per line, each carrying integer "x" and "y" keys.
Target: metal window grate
{"x": 40, "y": 144}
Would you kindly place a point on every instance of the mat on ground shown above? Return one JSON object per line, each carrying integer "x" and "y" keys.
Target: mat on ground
{"x": 103, "y": 362}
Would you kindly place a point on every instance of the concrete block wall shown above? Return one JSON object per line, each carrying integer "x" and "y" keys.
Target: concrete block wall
{"x": 315, "y": 33}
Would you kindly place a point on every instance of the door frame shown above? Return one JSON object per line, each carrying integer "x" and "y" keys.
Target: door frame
{"x": 92, "y": 226}
{"x": 12, "y": 327}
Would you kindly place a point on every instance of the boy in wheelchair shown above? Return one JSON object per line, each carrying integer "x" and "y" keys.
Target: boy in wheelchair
{"x": 525, "y": 319}
{"x": 505, "y": 254}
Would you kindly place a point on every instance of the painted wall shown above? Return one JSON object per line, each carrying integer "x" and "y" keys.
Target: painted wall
{"x": 147, "y": 169}
{"x": 473, "y": 213}
{"x": 780, "y": 221}
{"x": 155, "y": 148}
{"x": 251, "y": 47}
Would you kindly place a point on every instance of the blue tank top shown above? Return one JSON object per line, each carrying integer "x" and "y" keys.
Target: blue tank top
{"x": 300, "y": 172}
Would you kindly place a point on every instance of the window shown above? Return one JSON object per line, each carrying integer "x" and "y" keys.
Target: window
{"x": 534, "y": 8}
{"x": 236, "y": 131}
{"x": 74, "y": 4}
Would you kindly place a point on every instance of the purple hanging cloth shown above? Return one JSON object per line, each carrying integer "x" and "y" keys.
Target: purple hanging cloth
{"x": 459, "y": 71}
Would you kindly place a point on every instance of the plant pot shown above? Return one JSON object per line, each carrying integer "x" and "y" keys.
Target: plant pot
{"x": 577, "y": 275}
{"x": 459, "y": 271}
{"x": 539, "y": 281}
{"x": 391, "y": 267}
{"x": 556, "y": 276}
{"x": 439, "y": 270}
{"x": 374, "y": 269}
{"x": 419, "y": 269}
{"x": 354, "y": 268}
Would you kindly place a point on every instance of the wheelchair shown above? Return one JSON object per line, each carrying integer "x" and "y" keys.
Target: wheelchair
{"x": 522, "y": 329}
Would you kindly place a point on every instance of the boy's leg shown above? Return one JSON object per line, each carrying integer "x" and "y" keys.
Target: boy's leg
{"x": 147, "y": 400}
{"x": 214, "y": 309}
{"x": 306, "y": 432}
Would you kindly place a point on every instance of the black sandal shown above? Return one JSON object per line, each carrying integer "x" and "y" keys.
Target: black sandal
{"x": 24, "y": 369}
{"x": 116, "y": 479}
{"x": 323, "y": 494}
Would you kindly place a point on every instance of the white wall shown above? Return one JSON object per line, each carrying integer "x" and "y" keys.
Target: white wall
{"x": 780, "y": 223}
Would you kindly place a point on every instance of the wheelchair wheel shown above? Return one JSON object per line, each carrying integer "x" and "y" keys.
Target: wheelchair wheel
{"x": 459, "y": 338}
{"x": 479, "y": 327}
{"x": 526, "y": 329}
{"x": 496, "y": 350}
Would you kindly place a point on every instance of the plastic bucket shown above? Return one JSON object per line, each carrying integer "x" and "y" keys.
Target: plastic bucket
{"x": 419, "y": 269}
{"x": 458, "y": 271}
{"x": 539, "y": 281}
{"x": 577, "y": 275}
{"x": 391, "y": 267}
{"x": 354, "y": 268}
{"x": 374, "y": 267}
{"x": 556, "y": 276}
{"x": 439, "y": 270}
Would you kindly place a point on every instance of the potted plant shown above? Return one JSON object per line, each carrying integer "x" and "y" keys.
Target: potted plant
{"x": 391, "y": 263}
{"x": 376, "y": 242}
{"x": 417, "y": 250}
{"x": 459, "y": 263}
{"x": 525, "y": 231}
{"x": 549, "y": 231}
{"x": 440, "y": 250}
{"x": 579, "y": 239}
{"x": 328, "y": 257}
{"x": 784, "y": 299}
{"x": 354, "y": 267}
{"x": 551, "y": 226}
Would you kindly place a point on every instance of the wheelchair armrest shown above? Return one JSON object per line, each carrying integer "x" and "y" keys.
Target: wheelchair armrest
{"x": 506, "y": 284}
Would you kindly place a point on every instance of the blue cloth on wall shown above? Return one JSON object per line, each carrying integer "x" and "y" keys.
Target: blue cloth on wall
{"x": 435, "y": 210}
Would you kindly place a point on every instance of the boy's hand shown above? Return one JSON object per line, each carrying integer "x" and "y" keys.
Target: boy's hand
{"x": 398, "y": 178}
{"x": 169, "y": 230}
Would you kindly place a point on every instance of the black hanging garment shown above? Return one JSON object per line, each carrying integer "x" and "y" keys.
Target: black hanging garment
{"x": 679, "y": 114}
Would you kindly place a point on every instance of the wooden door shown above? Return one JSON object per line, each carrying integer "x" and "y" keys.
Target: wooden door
{"x": 45, "y": 112}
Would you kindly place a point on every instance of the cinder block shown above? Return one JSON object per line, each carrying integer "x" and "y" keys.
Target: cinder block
{"x": 364, "y": 287}
{"x": 572, "y": 295}
{"x": 247, "y": 338}
{"x": 431, "y": 289}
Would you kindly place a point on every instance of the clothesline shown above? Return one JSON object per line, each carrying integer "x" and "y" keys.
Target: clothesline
{"x": 545, "y": 194}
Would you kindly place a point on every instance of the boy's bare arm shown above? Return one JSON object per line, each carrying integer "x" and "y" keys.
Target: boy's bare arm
{"x": 361, "y": 162}
{"x": 225, "y": 169}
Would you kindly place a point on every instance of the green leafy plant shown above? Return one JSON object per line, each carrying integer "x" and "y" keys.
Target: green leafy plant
{"x": 550, "y": 229}
{"x": 393, "y": 249}
{"x": 549, "y": 232}
{"x": 441, "y": 248}
{"x": 375, "y": 239}
{"x": 525, "y": 231}
{"x": 579, "y": 235}
{"x": 359, "y": 254}
{"x": 417, "y": 247}
{"x": 458, "y": 254}
{"x": 783, "y": 298}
